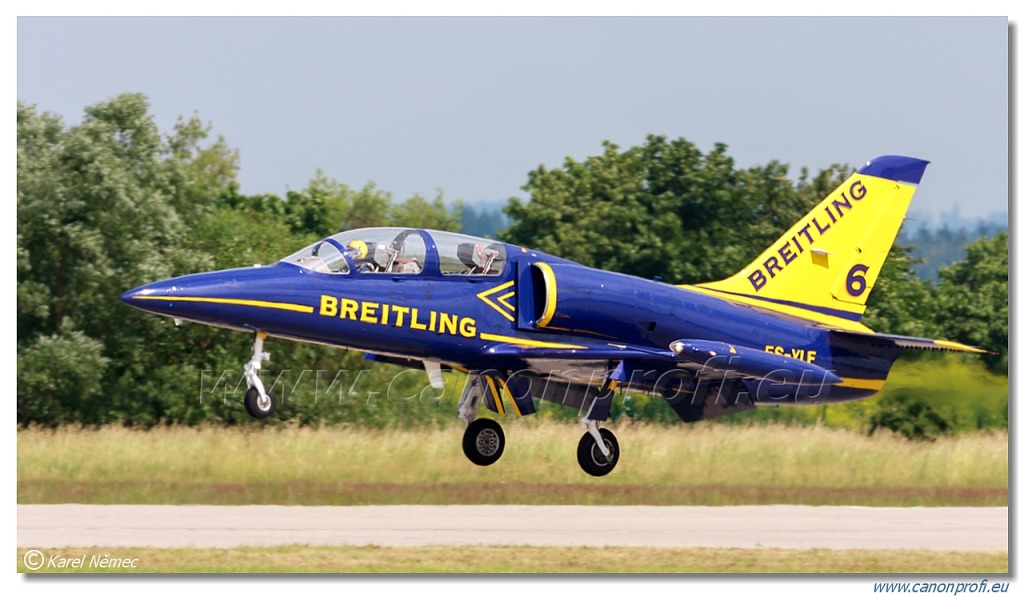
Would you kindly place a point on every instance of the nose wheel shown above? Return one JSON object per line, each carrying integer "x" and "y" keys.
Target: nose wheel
{"x": 260, "y": 407}
{"x": 483, "y": 442}
{"x": 595, "y": 461}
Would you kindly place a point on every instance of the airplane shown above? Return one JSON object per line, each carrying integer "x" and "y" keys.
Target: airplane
{"x": 525, "y": 325}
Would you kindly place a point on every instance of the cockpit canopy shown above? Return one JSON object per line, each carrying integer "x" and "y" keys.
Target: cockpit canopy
{"x": 401, "y": 251}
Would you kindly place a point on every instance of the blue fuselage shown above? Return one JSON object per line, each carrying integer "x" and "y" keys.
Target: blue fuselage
{"x": 455, "y": 318}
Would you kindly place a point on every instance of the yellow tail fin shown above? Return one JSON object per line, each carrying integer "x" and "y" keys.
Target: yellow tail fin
{"x": 824, "y": 267}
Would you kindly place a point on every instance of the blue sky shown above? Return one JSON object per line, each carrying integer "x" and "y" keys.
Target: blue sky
{"x": 469, "y": 106}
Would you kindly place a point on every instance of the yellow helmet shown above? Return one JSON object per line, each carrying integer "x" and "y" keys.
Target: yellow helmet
{"x": 360, "y": 248}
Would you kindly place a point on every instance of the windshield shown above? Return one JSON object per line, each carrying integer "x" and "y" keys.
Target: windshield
{"x": 402, "y": 251}
{"x": 368, "y": 250}
{"x": 323, "y": 257}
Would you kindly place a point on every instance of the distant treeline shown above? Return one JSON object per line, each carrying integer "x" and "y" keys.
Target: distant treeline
{"x": 932, "y": 246}
{"x": 113, "y": 203}
{"x": 935, "y": 249}
{"x": 483, "y": 220}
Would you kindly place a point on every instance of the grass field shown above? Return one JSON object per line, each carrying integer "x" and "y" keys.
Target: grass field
{"x": 702, "y": 464}
{"x": 560, "y": 560}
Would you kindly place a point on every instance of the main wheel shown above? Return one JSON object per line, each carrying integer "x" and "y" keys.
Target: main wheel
{"x": 590, "y": 457}
{"x": 483, "y": 442}
{"x": 258, "y": 408}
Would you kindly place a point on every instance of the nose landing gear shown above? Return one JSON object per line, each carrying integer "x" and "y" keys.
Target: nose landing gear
{"x": 259, "y": 402}
{"x": 257, "y": 406}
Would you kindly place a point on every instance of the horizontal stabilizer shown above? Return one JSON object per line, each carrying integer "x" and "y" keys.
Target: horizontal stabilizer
{"x": 912, "y": 342}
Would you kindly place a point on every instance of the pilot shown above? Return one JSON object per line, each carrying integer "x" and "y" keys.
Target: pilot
{"x": 384, "y": 259}
{"x": 358, "y": 251}
{"x": 407, "y": 266}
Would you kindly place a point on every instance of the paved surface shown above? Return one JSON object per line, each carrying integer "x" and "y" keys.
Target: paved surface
{"x": 795, "y": 527}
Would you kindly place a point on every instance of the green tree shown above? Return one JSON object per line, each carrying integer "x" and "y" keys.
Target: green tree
{"x": 900, "y": 302}
{"x": 417, "y": 212}
{"x": 112, "y": 204}
{"x": 326, "y": 206}
{"x": 102, "y": 207}
{"x": 972, "y": 304}
{"x": 60, "y": 379}
{"x": 665, "y": 209}
{"x": 660, "y": 209}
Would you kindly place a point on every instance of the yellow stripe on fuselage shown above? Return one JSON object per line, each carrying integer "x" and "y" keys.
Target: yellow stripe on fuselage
{"x": 230, "y": 301}
{"x": 861, "y": 384}
{"x": 808, "y": 314}
{"x": 527, "y": 343}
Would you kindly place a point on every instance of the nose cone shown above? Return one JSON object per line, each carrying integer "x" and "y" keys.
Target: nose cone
{"x": 161, "y": 297}
{"x": 168, "y": 297}
{"x": 133, "y": 296}
{"x": 239, "y": 298}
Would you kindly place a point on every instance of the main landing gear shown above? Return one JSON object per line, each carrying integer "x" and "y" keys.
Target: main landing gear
{"x": 484, "y": 441}
{"x": 259, "y": 402}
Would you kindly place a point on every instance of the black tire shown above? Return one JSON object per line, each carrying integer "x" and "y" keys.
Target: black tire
{"x": 591, "y": 460}
{"x": 252, "y": 404}
{"x": 483, "y": 442}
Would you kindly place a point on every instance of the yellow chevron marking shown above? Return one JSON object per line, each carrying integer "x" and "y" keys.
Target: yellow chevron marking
{"x": 503, "y": 299}
{"x": 507, "y": 310}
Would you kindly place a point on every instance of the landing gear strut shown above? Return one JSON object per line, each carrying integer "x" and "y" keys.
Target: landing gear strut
{"x": 484, "y": 441}
{"x": 259, "y": 402}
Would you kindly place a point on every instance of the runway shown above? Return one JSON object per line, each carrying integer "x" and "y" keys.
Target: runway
{"x": 785, "y": 527}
